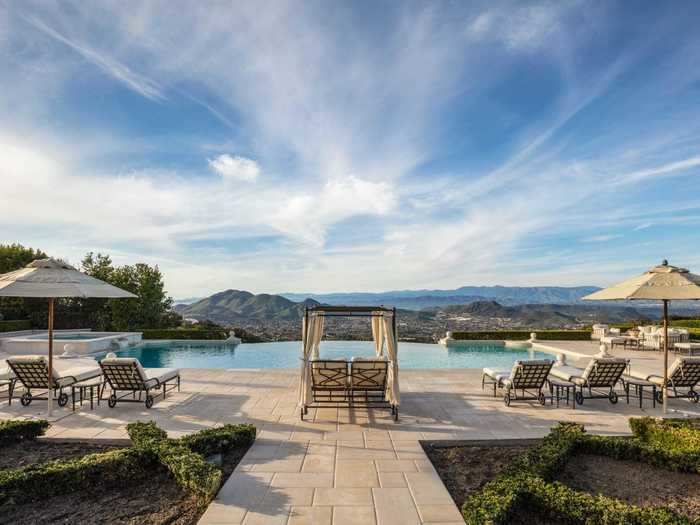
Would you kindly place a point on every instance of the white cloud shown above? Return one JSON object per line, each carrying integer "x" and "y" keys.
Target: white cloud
{"x": 235, "y": 168}
{"x": 602, "y": 238}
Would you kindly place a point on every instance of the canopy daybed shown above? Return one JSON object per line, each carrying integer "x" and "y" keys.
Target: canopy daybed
{"x": 364, "y": 382}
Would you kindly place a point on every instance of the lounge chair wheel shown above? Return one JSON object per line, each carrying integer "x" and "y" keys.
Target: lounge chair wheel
{"x": 659, "y": 396}
{"x": 693, "y": 396}
{"x": 149, "y": 401}
{"x": 506, "y": 400}
{"x": 62, "y": 399}
{"x": 26, "y": 399}
{"x": 579, "y": 398}
{"x": 112, "y": 401}
{"x": 541, "y": 399}
{"x": 613, "y": 397}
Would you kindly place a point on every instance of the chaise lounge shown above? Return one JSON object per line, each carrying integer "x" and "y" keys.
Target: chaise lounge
{"x": 125, "y": 374}
{"x": 31, "y": 372}
{"x": 684, "y": 373}
{"x": 596, "y": 381}
{"x": 527, "y": 376}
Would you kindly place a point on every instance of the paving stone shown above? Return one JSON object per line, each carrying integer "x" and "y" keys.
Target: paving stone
{"x": 310, "y": 516}
{"x": 355, "y": 473}
{"x": 395, "y": 506}
{"x": 354, "y": 516}
{"x": 343, "y": 496}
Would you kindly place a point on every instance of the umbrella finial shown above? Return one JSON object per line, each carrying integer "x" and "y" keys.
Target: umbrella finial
{"x": 664, "y": 262}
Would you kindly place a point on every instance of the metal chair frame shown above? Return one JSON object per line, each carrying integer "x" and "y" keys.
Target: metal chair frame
{"x": 126, "y": 377}
{"x": 34, "y": 375}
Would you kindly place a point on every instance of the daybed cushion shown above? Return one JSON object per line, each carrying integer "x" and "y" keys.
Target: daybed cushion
{"x": 6, "y": 373}
{"x": 659, "y": 380}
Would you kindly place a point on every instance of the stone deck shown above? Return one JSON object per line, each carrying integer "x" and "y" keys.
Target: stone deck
{"x": 340, "y": 466}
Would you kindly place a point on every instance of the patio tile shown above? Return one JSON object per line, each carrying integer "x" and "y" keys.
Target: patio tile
{"x": 392, "y": 480}
{"x": 395, "y": 507}
{"x": 286, "y": 496}
{"x": 302, "y": 479}
{"x": 318, "y": 463}
{"x": 439, "y": 513}
{"x": 310, "y": 516}
{"x": 353, "y": 516}
{"x": 355, "y": 473}
{"x": 343, "y": 497}
{"x": 427, "y": 489}
{"x": 396, "y": 465}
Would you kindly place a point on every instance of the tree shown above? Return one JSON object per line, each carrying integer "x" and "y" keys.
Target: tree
{"x": 13, "y": 257}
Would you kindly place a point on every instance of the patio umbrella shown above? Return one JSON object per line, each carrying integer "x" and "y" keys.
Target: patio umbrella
{"x": 51, "y": 279}
{"x": 662, "y": 283}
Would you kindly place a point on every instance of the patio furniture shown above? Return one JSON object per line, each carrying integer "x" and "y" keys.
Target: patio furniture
{"x": 7, "y": 381}
{"x": 557, "y": 388}
{"x": 598, "y": 379}
{"x": 368, "y": 381}
{"x": 363, "y": 382}
{"x": 684, "y": 373}
{"x": 599, "y": 331}
{"x": 612, "y": 340}
{"x": 125, "y": 374}
{"x": 90, "y": 389}
{"x": 639, "y": 386}
{"x": 687, "y": 347}
{"x": 527, "y": 376}
{"x": 32, "y": 372}
{"x": 330, "y": 381}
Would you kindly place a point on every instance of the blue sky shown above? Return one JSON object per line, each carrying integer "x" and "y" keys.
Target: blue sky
{"x": 354, "y": 146}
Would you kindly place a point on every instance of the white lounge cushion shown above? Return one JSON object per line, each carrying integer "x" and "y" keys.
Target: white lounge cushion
{"x": 566, "y": 372}
{"x": 162, "y": 374}
{"x": 6, "y": 373}
{"x": 79, "y": 369}
{"x": 382, "y": 358}
{"x": 496, "y": 375}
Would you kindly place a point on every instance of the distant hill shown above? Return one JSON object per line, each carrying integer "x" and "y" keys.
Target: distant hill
{"x": 545, "y": 315}
{"x": 237, "y": 305}
{"x": 418, "y": 299}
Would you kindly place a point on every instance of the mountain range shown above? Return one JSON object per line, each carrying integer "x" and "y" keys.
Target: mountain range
{"x": 237, "y": 306}
{"x": 419, "y": 299}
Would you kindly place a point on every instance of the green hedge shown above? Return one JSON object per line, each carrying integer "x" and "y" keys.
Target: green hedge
{"x": 686, "y": 323}
{"x": 524, "y": 335}
{"x": 678, "y": 435}
{"x": 184, "y": 457}
{"x": 184, "y": 334}
{"x": 14, "y": 326}
{"x": 219, "y": 440}
{"x": 13, "y": 431}
{"x": 527, "y": 485}
{"x": 38, "y": 482}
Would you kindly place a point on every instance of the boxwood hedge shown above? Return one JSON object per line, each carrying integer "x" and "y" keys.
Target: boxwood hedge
{"x": 152, "y": 449}
{"x": 14, "y": 326}
{"x": 185, "y": 457}
{"x": 184, "y": 334}
{"x": 528, "y": 482}
{"x": 523, "y": 335}
{"x": 12, "y": 431}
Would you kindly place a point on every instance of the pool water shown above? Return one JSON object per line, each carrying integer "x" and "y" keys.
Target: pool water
{"x": 181, "y": 354}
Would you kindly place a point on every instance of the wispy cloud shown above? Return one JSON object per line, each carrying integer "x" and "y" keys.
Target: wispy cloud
{"x": 139, "y": 83}
{"x": 411, "y": 146}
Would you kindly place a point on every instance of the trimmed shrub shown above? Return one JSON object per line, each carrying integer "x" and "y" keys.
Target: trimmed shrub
{"x": 219, "y": 440}
{"x": 686, "y": 323}
{"x": 12, "y": 431}
{"x": 184, "y": 457}
{"x": 184, "y": 334}
{"x": 145, "y": 434}
{"x": 672, "y": 435}
{"x": 527, "y": 482}
{"x": 37, "y": 482}
{"x": 15, "y": 326}
{"x": 524, "y": 335}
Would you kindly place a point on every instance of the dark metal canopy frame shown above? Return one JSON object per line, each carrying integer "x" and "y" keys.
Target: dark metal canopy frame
{"x": 366, "y": 389}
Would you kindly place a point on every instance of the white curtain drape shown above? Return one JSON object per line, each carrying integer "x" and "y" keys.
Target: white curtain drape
{"x": 317, "y": 336}
{"x": 307, "y": 345}
{"x": 393, "y": 394}
{"x": 378, "y": 335}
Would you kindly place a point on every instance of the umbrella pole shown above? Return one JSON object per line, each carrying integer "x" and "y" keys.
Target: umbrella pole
{"x": 48, "y": 395}
{"x": 665, "y": 389}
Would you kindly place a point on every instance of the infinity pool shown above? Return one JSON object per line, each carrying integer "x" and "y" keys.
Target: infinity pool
{"x": 181, "y": 354}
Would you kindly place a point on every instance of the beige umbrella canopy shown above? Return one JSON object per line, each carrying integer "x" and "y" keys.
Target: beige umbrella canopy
{"x": 51, "y": 279}
{"x": 662, "y": 283}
